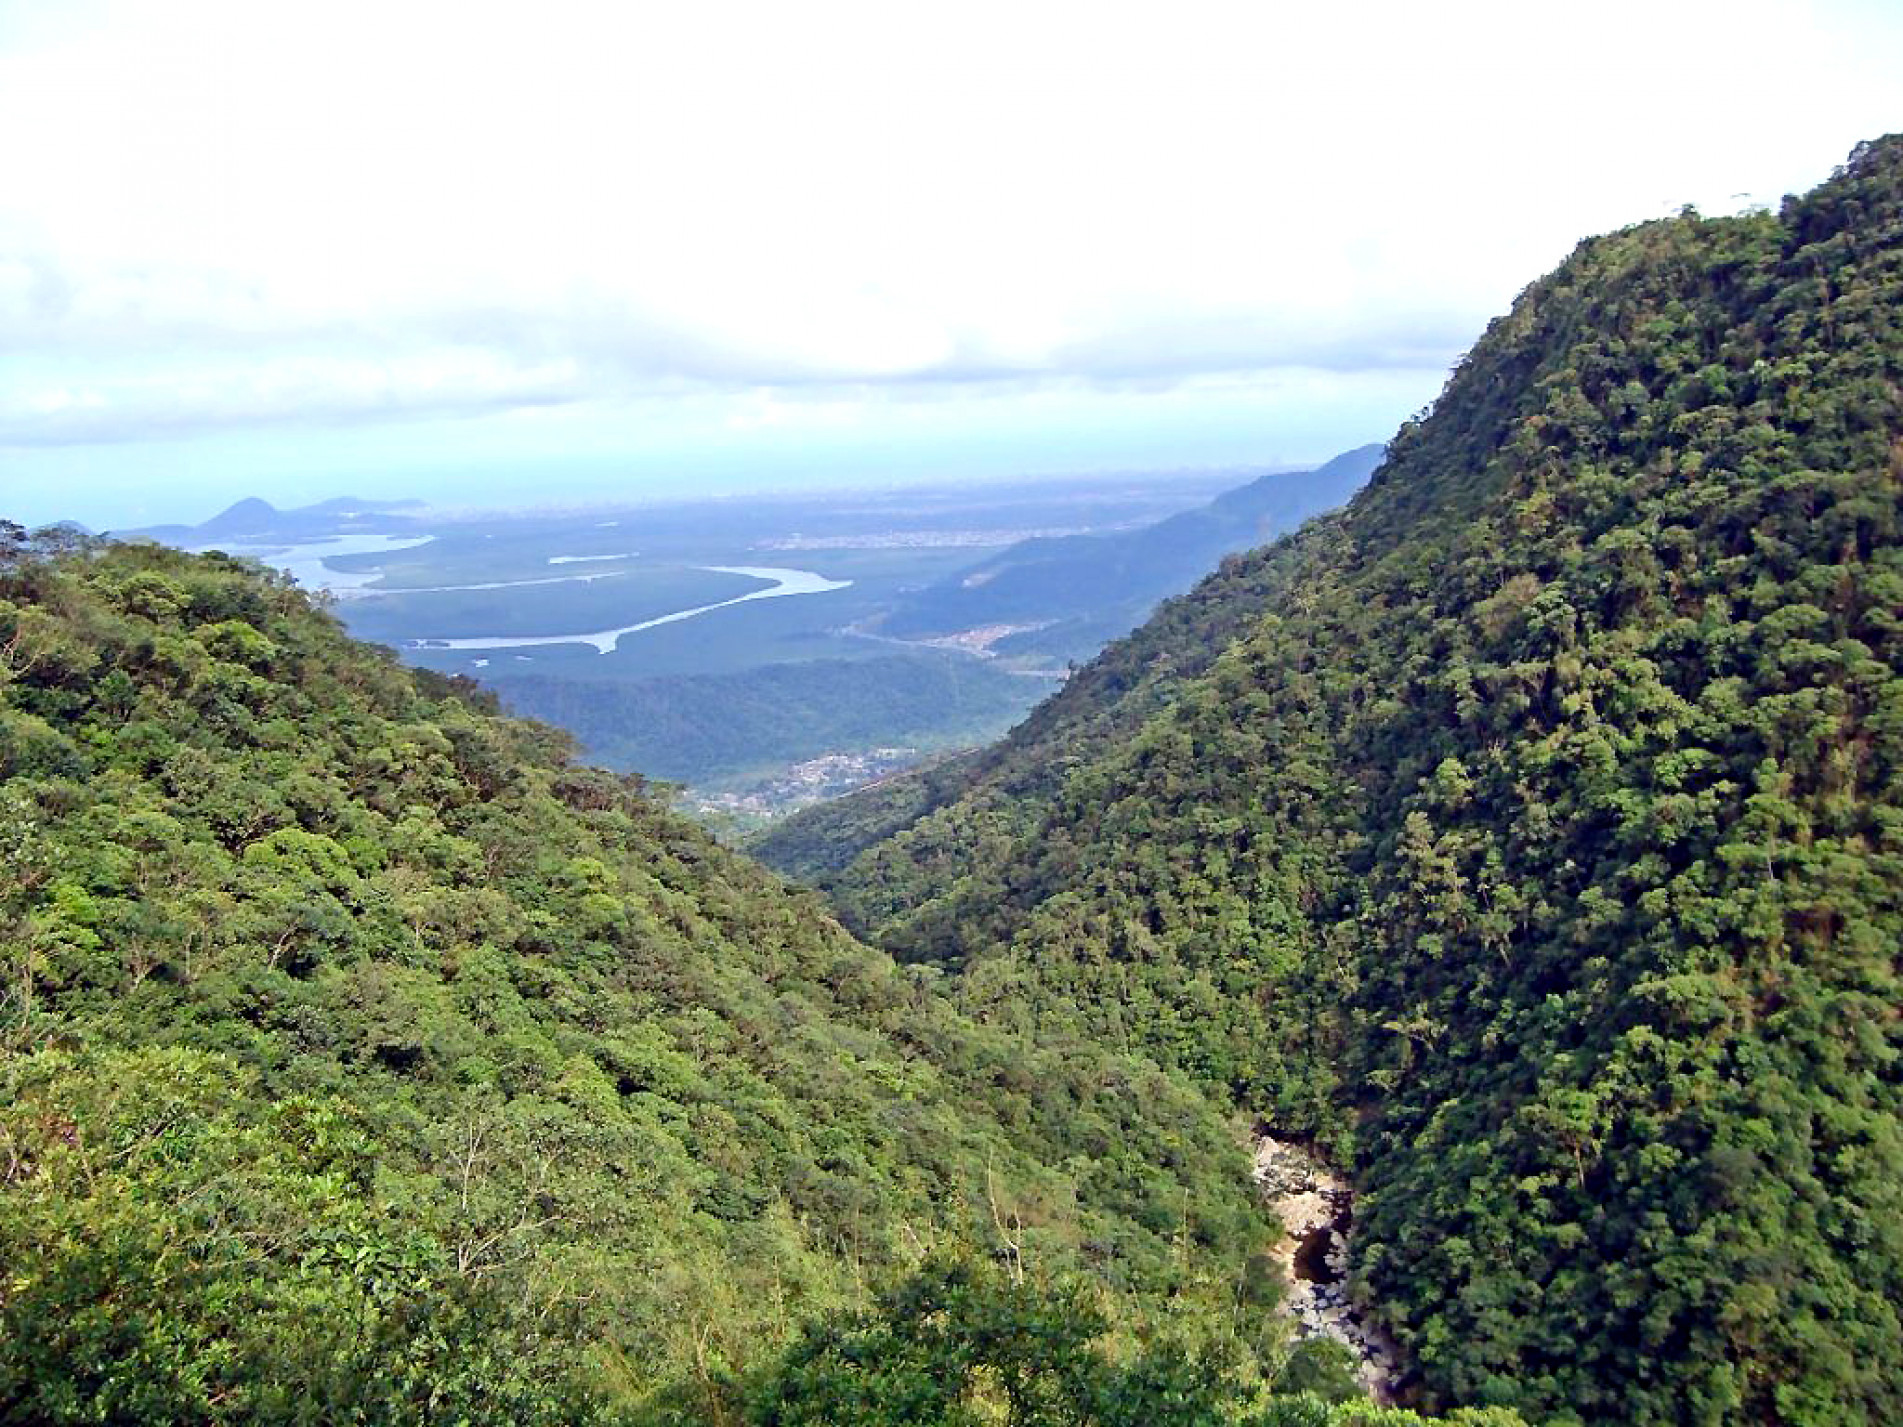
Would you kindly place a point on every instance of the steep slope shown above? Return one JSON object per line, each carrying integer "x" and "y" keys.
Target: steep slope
{"x": 1083, "y": 590}
{"x": 1531, "y": 832}
{"x": 716, "y": 730}
{"x": 361, "y": 1058}
{"x": 1106, "y": 700}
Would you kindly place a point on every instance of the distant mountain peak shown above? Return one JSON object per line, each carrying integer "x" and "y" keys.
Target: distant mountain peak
{"x": 255, "y": 518}
{"x": 250, "y": 514}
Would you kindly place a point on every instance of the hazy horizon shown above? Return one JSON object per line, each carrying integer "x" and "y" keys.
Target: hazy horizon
{"x": 528, "y": 498}
{"x": 186, "y": 483}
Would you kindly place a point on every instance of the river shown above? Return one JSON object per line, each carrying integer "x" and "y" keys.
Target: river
{"x": 305, "y": 563}
{"x": 784, "y": 583}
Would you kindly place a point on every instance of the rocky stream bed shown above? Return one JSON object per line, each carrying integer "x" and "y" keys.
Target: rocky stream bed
{"x": 1317, "y": 1209}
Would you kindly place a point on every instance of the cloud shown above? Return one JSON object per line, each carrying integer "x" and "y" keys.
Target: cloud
{"x": 106, "y": 355}
{"x": 308, "y": 390}
{"x": 232, "y": 215}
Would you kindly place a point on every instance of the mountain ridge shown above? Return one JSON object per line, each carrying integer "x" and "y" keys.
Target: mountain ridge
{"x": 254, "y": 518}
{"x": 1528, "y": 832}
{"x": 1526, "y": 837}
{"x": 1069, "y": 595}
{"x": 443, "y": 1074}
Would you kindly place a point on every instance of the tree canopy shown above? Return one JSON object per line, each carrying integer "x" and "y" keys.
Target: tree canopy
{"x": 363, "y": 1057}
{"x": 1531, "y": 833}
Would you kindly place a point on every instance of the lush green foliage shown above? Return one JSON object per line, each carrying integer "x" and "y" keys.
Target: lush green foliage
{"x": 353, "y": 1037}
{"x": 179, "y": 1250}
{"x": 949, "y": 1339}
{"x": 1533, "y": 833}
{"x": 818, "y": 843}
{"x": 708, "y": 730}
{"x": 956, "y": 1346}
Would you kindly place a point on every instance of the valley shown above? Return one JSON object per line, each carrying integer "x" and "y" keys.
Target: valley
{"x": 646, "y": 631}
{"x": 1521, "y": 836}
{"x": 1413, "y": 941}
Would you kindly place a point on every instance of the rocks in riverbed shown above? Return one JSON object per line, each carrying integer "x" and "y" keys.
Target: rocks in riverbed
{"x": 1316, "y": 1209}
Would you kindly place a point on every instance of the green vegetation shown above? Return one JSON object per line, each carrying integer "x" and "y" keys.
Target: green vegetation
{"x": 955, "y": 1346}
{"x": 819, "y": 843}
{"x": 361, "y": 1058}
{"x": 718, "y": 730}
{"x": 1531, "y": 833}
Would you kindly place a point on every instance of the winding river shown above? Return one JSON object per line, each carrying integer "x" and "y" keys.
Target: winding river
{"x": 305, "y": 562}
{"x": 785, "y": 583}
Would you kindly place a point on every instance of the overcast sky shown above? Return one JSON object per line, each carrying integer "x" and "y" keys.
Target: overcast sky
{"x": 575, "y": 252}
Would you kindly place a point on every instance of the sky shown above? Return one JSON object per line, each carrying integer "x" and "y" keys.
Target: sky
{"x": 569, "y": 253}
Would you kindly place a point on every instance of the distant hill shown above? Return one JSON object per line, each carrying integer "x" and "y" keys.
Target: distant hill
{"x": 256, "y": 519}
{"x": 250, "y": 516}
{"x": 1080, "y": 591}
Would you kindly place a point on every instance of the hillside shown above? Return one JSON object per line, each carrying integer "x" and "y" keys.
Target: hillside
{"x": 1530, "y": 833}
{"x": 1072, "y": 594}
{"x": 1107, "y": 699}
{"x": 363, "y": 1058}
{"x": 724, "y": 730}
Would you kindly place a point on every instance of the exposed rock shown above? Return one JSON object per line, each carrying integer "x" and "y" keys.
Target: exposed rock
{"x": 1317, "y": 1213}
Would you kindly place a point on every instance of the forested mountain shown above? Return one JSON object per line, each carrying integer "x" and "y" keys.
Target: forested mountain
{"x": 702, "y": 729}
{"x": 1530, "y": 833}
{"x": 1076, "y": 592}
{"x": 364, "y": 1059}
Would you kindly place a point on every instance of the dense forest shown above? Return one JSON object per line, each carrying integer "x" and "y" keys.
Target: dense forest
{"x": 1529, "y": 834}
{"x": 713, "y": 729}
{"x": 1528, "y": 837}
{"x": 363, "y": 1058}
